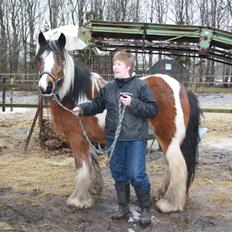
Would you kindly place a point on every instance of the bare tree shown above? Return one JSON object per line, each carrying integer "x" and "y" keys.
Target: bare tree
{"x": 32, "y": 16}
{"x": 117, "y": 10}
{"x": 21, "y": 20}
{"x": 229, "y": 5}
{"x": 72, "y": 7}
{"x": 53, "y": 7}
{"x": 203, "y": 6}
{"x": 161, "y": 10}
{"x": 81, "y": 6}
{"x": 97, "y": 10}
{"x": 13, "y": 8}
{"x": 214, "y": 13}
{"x": 3, "y": 38}
{"x": 182, "y": 11}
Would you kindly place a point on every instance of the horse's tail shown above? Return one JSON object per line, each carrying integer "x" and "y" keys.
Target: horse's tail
{"x": 189, "y": 147}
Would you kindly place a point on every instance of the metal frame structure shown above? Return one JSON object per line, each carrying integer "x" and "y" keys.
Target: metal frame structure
{"x": 178, "y": 40}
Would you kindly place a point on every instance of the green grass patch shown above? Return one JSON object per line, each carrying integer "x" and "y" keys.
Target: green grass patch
{"x": 211, "y": 90}
{"x": 216, "y": 110}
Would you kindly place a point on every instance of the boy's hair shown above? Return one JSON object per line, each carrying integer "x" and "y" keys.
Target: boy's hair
{"x": 125, "y": 57}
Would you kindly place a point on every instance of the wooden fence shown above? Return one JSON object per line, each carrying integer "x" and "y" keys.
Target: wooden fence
{"x": 14, "y": 82}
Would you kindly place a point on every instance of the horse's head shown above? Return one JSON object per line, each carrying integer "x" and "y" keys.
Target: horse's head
{"x": 60, "y": 74}
{"x": 50, "y": 59}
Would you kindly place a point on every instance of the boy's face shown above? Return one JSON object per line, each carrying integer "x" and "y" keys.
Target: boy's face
{"x": 120, "y": 69}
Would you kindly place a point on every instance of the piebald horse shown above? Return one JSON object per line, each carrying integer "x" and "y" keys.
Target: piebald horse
{"x": 175, "y": 126}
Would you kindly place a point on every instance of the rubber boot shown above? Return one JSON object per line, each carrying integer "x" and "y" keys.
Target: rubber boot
{"x": 143, "y": 196}
{"x": 123, "y": 194}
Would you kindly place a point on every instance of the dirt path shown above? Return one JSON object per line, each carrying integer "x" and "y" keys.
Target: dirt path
{"x": 34, "y": 187}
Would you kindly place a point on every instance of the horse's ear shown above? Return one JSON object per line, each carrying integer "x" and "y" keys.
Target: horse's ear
{"x": 42, "y": 40}
{"x": 62, "y": 40}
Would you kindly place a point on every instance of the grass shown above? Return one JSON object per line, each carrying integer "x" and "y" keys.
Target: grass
{"x": 216, "y": 110}
{"x": 204, "y": 89}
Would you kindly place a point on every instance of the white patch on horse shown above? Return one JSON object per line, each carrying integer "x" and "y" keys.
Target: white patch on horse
{"x": 43, "y": 82}
{"x": 101, "y": 119}
{"x": 48, "y": 65}
{"x": 82, "y": 99}
{"x": 179, "y": 119}
{"x": 178, "y": 176}
{"x": 81, "y": 197}
{"x": 48, "y": 61}
{"x": 82, "y": 174}
{"x": 97, "y": 84}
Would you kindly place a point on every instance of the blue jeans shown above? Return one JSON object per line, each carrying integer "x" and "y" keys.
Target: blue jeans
{"x": 128, "y": 163}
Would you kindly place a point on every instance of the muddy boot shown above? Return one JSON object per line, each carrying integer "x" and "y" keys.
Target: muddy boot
{"x": 123, "y": 194}
{"x": 143, "y": 196}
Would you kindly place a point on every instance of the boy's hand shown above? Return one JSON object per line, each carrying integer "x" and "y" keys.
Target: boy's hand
{"x": 125, "y": 99}
{"x": 76, "y": 111}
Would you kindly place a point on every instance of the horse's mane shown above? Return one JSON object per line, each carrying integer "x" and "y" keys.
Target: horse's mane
{"x": 77, "y": 83}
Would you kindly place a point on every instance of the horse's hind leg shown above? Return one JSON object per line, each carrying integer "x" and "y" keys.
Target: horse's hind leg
{"x": 175, "y": 195}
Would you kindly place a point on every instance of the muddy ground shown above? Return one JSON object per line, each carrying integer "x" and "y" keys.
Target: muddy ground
{"x": 34, "y": 186}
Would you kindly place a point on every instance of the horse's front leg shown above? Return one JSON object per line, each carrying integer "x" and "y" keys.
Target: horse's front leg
{"x": 81, "y": 197}
{"x": 161, "y": 191}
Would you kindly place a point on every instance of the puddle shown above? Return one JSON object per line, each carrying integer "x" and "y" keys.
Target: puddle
{"x": 21, "y": 132}
{"x": 222, "y": 145}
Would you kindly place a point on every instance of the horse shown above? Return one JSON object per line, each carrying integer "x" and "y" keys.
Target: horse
{"x": 175, "y": 126}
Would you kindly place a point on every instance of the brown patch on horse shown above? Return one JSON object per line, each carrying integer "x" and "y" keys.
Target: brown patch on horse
{"x": 163, "y": 123}
{"x": 69, "y": 126}
{"x": 95, "y": 133}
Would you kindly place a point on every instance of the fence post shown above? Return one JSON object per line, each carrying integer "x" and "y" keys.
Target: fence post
{"x": 3, "y": 93}
{"x": 41, "y": 112}
{"x": 12, "y": 92}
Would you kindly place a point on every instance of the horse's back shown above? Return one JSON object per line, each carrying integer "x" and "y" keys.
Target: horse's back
{"x": 172, "y": 99}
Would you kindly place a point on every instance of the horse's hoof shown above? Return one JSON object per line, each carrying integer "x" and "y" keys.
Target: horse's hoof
{"x": 96, "y": 191}
{"x": 164, "y": 206}
{"x": 158, "y": 195}
{"x": 75, "y": 202}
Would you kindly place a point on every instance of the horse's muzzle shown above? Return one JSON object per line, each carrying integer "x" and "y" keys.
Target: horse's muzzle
{"x": 48, "y": 90}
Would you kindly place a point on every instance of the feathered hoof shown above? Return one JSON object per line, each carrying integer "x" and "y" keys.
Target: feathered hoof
{"x": 165, "y": 207}
{"x": 158, "y": 195}
{"x": 96, "y": 190}
{"x": 75, "y": 202}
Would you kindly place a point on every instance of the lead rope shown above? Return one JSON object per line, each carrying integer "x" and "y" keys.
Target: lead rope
{"x": 121, "y": 113}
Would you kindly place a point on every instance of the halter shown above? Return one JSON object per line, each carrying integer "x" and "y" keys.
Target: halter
{"x": 55, "y": 80}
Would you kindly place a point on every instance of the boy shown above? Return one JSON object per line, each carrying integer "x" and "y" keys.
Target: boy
{"x": 127, "y": 164}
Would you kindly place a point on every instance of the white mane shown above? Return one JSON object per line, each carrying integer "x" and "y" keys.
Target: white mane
{"x": 69, "y": 76}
